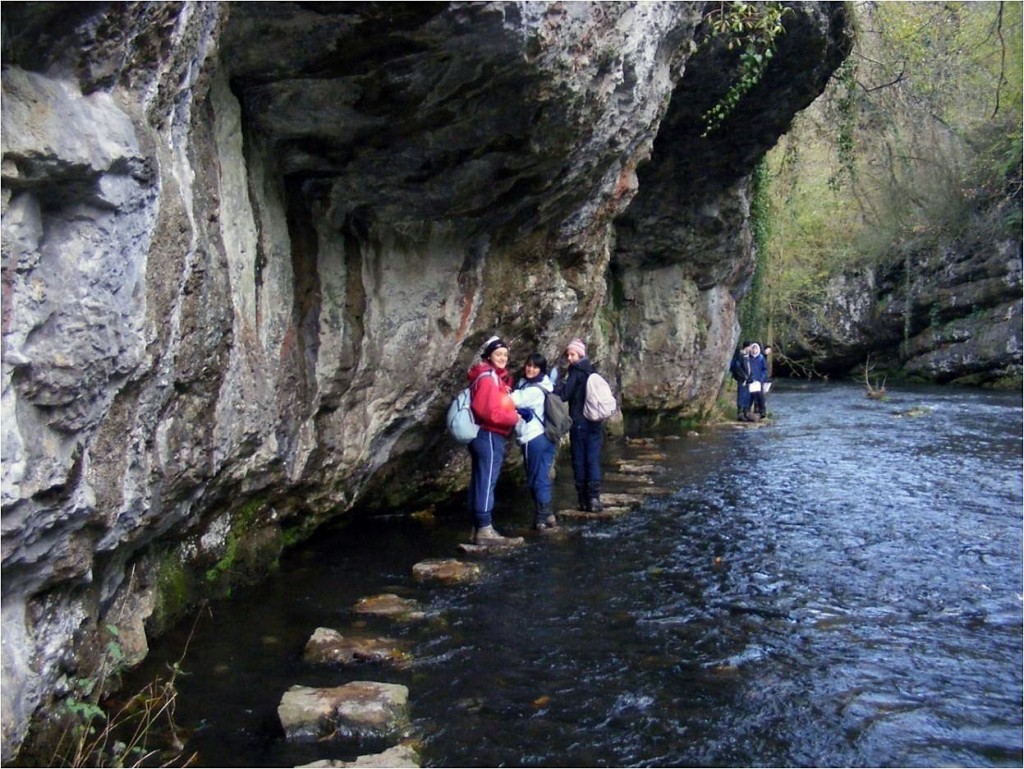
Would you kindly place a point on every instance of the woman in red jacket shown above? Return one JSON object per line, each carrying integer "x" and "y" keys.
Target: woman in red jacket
{"x": 496, "y": 415}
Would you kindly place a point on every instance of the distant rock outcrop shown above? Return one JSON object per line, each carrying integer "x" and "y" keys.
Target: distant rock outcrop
{"x": 249, "y": 250}
{"x": 950, "y": 313}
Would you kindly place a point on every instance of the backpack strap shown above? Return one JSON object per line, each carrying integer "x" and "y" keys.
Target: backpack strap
{"x": 475, "y": 382}
{"x": 481, "y": 376}
{"x": 545, "y": 394}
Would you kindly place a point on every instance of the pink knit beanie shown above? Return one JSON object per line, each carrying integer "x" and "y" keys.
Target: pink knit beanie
{"x": 578, "y": 347}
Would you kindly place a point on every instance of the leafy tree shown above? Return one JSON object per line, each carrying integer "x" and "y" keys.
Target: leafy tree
{"x": 917, "y": 136}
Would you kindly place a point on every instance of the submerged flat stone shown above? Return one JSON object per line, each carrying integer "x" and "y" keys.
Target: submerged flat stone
{"x": 654, "y": 491}
{"x": 390, "y": 605}
{"x": 447, "y": 570}
{"x": 759, "y": 423}
{"x": 357, "y": 710}
{"x": 622, "y": 500}
{"x": 329, "y": 647}
{"x": 605, "y": 515}
{"x": 640, "y": 441}
{"x": 400, "y": 757}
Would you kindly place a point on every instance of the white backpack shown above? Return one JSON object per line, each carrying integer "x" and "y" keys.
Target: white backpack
{"x": 461, "y": 424}
{"x": 599, "y": 403}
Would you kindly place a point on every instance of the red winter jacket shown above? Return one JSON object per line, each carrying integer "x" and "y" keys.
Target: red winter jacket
{"x": 491, "y": 403}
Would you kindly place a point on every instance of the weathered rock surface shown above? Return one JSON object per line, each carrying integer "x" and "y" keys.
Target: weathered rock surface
{"x": 449, "y": 571}
{"x": 627, "y": 478}
{"x": 635, "y": 468}
{"x": 329, "y": 647}
{"x": 950, "y": 315}
{"x": 399, "y": 756}
{"x": 391, "y": 605}
{"x": 249, "y": 250}
{"x": 360, "y": 710}
{"x": 507, "y": 545}
{"x": 622, "y": 500}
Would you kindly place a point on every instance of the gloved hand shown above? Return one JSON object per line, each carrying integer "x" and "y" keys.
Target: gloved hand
{"x": 525, "y": 413}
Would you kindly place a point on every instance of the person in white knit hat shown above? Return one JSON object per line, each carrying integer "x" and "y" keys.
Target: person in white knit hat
{"x": 495, "y": 413}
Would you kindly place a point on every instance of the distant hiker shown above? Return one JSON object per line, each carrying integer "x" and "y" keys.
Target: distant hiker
{"x": 538, "y": 449}
{"x": 585, "y": 436}
{"x": 740, "y": 370}
{"x": 496, "y": 415}
{"x": 767, "y": 353}
{"x": 758, "y": 377}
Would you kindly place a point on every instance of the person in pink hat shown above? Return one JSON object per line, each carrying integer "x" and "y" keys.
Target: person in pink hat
{"x": 585, "y": 436}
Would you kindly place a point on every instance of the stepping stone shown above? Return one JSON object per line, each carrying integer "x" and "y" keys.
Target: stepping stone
{"x": 401, "y": 756}
{"x": 329, "y": 647}
{"x": 390, "y": 605}
{"x": 447, "y": 570}
{"x": 635, "y": 468}
{"x": 357, "y": 710}
{"x": 607, "y": 514}
{"x": 651, "y": 457}
{"x": 511, "y": 544}
{"x": 640, "y": 441}
{"x": 622, "y": 500}
{"x": 654, "y": 491}
{"x": 627, "y": 478}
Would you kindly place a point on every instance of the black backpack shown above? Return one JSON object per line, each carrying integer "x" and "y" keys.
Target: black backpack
{"x": 736, "y": 368}
{"x": 556, "y": 416}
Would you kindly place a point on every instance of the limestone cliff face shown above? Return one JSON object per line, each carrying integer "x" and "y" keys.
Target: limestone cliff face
{"x": 951, "y": 313}
{"x": 250, "y": 249}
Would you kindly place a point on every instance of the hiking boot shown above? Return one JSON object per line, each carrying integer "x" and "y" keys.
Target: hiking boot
{"x": 595, "y": 505}
{"x": 546, "y": 524}
{"x": 488, "y": 536}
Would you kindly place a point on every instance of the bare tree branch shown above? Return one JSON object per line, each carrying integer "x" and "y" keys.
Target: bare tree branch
{"x": 1002, "y": 59}
{"x": 898, "y": 79}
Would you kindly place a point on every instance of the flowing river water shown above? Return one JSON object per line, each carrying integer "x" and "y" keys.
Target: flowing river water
{"x": 839, "y": 587}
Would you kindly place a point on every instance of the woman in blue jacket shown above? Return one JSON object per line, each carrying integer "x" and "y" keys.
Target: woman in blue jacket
{"x": 759, "y": 374}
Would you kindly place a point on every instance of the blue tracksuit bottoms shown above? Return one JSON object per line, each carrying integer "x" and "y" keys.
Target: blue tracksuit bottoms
{"x": 538, "y": 455}
{"x": 585, "y": 440}
{"x": 743, "y": 399}
{"x": 487, "y": 452}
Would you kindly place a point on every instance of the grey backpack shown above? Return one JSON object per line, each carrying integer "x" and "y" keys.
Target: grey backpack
{"x": 556, "y": 416}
